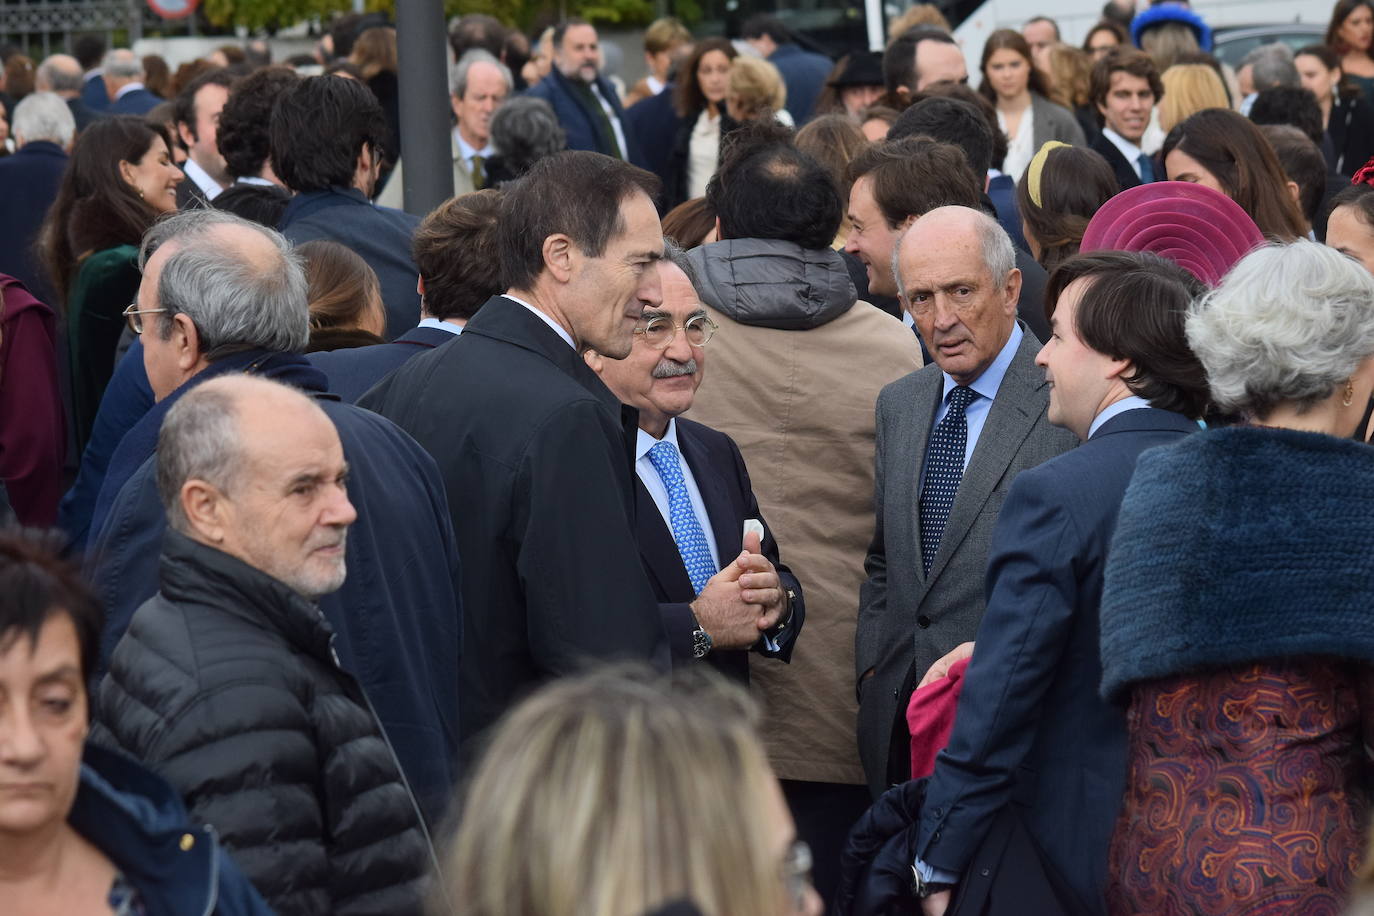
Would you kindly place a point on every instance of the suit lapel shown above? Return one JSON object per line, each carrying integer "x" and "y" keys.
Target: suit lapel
{"x": 1010, "y": 419}
{"x": 727, "y": 530}
{"x": 657, "y": 548}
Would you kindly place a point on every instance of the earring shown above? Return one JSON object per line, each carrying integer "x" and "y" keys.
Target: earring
{"x": 140, "y": 193}
{"x": 1349, "y": 394}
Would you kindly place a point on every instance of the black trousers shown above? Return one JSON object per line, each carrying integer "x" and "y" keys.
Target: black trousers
{"x": 824, "y": 812}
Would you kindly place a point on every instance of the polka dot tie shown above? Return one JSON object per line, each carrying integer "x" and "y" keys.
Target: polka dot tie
{"x": 944, "y": 470}
{"x": 687, "y": 533}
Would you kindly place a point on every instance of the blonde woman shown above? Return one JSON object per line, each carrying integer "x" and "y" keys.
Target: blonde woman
{"x": 609, "y": 795}
{"x": 756, "y": 91}
{"x": 1188, "y": 89}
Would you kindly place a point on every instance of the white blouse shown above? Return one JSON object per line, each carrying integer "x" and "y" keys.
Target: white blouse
{"x": 703, "y": 153}
{"x": 1020, "y": 148}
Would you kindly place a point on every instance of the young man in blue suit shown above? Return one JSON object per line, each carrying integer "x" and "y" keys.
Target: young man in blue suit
{"x": 1031, "y": 730}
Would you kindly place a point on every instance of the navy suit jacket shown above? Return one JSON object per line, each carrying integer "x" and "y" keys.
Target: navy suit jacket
{"x": 654, "y": 122}
{"x": 28, "y": 185}
{"x": 82, "y": 113}
{"x": 804, "y": 74}
{"x": 354, "y": 370}
{"x": 1125, "y": 172}
{"x": 1031, "y": 728}
{"x": 728, "y": 496}
{"x": 139, "y": 102}
{"x": 1002, "y": 192}
{"x": 94, "y": 95}
{"x": 579, "y": 122}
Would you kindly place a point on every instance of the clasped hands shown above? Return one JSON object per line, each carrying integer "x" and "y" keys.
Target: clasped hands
{"x": 742, "y": 600}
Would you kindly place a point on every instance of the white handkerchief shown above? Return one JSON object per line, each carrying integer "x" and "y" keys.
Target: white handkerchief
{"x": 754, "y": 526}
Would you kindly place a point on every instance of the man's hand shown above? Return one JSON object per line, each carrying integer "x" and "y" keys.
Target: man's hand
{"x": 723, "y": 612}
{"x": 941, "y": 667}
{"x": 936, "y": 904}
{"x": 760, "y": 583}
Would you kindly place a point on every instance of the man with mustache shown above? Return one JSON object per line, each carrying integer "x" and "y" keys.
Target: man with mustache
{"x": 227, "y": 682}
{"x": 951, "y": 439}
{"x": 585, "y": 101}
{"x": 692, "y": 493}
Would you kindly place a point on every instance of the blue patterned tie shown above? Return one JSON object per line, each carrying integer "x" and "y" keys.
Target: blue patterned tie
{"x": 1147, "y": 169}
{"x": 687, "y": 533}
{"x": 944, "y": 470}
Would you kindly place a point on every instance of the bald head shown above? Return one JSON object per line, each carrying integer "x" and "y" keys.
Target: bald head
{"x": 60, "y": 74}
{"x": 256, "y": 470}
{"x": 955, "y": 270}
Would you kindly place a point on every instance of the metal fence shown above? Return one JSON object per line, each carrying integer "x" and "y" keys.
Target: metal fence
{"x": 46, "y": 26}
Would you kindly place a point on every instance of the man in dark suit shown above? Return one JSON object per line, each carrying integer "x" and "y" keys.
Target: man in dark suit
{"x": 89, "y": 51}
{"x": 585, "y": 102}
{"x": 951, "y": 438}
{"x": 535, "y": 451}
{"x": 123, "y": 75}
{"x": 61, "y": 74}
{"x": 803, "y": 72}
{"x": 1030, "y": 721}
{"x": 333, "y": 165}
{"x": 1125, "y": 88}
{"x": 459, "y": 258}
{"x": 196, "y": 115}
{"x": 43, "y": 129}
{"x": 683, "y": 466}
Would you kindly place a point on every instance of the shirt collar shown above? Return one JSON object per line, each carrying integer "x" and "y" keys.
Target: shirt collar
{"x": 127, "y": 88}
{"x": 441, "y": 325}
{"x": 644, "y": 441}
{"x": 991, "y": 379}
{"x": 255, "y": 181}
{"x": 466, "y": 151}
{"x": 1134, "y": 402}
{"x": 1128, "y": 149}
{"x": 557, "y": 328}
{"x": 208, "y": 185}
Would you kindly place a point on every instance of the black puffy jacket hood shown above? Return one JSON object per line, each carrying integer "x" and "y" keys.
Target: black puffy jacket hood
{"x": 772, "y": 283}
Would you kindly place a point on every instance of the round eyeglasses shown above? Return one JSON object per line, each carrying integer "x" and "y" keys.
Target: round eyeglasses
{"x": 659, "y": 332}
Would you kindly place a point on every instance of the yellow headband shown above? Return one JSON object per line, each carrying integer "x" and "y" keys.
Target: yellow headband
{"x": 1037, "y": 165}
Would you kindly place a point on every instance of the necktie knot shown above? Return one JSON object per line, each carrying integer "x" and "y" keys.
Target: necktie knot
{"x": 960, "y": 398}
{"x": 664, "y": 458}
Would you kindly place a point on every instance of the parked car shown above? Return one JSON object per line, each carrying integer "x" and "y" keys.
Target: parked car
{"x": 1231, "y": 43}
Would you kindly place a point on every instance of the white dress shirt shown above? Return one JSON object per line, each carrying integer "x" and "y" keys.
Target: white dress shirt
{"x": 1127, "y": 148}
{"x": 1133, "y": 402}
{"x": 466, "y": 151}
{"x": 126, "y": 89}
{"x": 208, "y": 186}
{"x": 442, "y": 325}
{"x": 648, "y": 475}
{"x": 557, "y": 328}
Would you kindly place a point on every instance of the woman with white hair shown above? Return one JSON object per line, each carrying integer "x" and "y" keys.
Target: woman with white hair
{"x": 610, "y": 795}
{"x": 1236, "y": 616}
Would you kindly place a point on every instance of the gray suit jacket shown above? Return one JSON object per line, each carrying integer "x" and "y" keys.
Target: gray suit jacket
{"x": 393, "y": 195}
{"x": 908, "y": 620}
{"x": 1053, "y": 122}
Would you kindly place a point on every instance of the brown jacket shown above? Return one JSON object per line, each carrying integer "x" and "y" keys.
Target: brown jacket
{"x": 792, "y": 376}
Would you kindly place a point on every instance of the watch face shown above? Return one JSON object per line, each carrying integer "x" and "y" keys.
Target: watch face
{"x": 701, "y": 643}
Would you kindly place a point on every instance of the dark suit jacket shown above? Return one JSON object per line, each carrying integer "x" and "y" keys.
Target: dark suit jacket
{"x": 654, "y": 122}
{"x": 908, "y": 619}
{"x": 1125, "y": 172}
{"x": 1002, "y": 192}
{"x": 1031, "y": 727}
{"x": 536, "y": 460}
{"x": 28, "y": 185}
{"x": 190, "y": 196}
{"x": 139, "y": 102}
{"x": 380, "y": 235}
{"x": 82, "y": 113}
{"x": 94, "y": 95}
{"x": 804, "y": 74}
{"x": 728, "y": 496}
{"x": 580, "y": 123}
{"x": 353, "y": 371}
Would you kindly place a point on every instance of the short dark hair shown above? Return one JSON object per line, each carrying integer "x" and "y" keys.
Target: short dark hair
{"x": 244, "y": 130}
{"x": 88, "y": 50}
{"x": 914, "y": 175}
{"x": 1123, "y": 60}
{"x": 766, "y": 188}
{"x": 899, "y": 59}
{"x": 319, "y": 129}
{"x": 1074, "y": 184}
{"x": 1360, "y": 198}
{"x": 1034, "y": 19}
{"x": 560, "y": 30}
{"x": 1136, "y": 311}
{"x": 37, "y": 585}
{"x": 1302, "y": 161}
{"x": 963, "y": 92}
{"x": 184, "y": 106}
{"x": 949, "y": 121}
{"x": 477, "y": 30}
{"x": 576, "y": 193}
{"x": 457, "y": 253}
{"x": 1290, "y": 105}
{"x": 761, "y": 24}
{"x": 261, "y": 204}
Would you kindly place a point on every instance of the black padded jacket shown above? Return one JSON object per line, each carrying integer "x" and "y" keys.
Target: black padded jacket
{"x": 227, "y": 684}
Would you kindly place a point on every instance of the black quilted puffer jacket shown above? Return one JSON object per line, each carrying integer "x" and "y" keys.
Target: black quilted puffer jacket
{"x": 226, "y": 683}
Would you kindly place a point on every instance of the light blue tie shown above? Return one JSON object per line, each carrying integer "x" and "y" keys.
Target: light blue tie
{"x": 687, "y": 533}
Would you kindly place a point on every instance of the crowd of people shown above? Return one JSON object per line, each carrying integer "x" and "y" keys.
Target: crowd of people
{"x": 1012, "y": 557}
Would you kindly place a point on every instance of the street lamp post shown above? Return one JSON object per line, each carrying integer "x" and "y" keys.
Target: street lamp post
{"x": 423, "y": 65}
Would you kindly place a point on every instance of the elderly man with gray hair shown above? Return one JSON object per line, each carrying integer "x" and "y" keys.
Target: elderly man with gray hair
{"x": 61, "y": 74}
{"x": 223, "y": 296}
{"x": 478, "y": 84}
{"x": 1264, "y": 68}
{"x": 123, "y": 73}
{"x": 968, "y": 423}
{"x": 43, "y": 128}
{"x": 263, "y": 732}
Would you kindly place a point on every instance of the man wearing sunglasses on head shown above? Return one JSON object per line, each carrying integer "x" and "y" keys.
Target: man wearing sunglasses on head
{"x": 693, "y": 495}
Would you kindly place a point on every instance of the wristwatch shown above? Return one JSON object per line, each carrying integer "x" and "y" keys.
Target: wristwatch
{"x": 921, "y": 889}
{"x": 701, "y": 642}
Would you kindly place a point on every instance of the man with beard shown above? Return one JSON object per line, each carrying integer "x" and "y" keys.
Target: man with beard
{"x": 585, "y": 101}
{"x": 694, "y": 503}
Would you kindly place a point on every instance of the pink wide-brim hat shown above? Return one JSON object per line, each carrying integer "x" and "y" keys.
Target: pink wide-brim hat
{"x": 1203, "y": 231}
